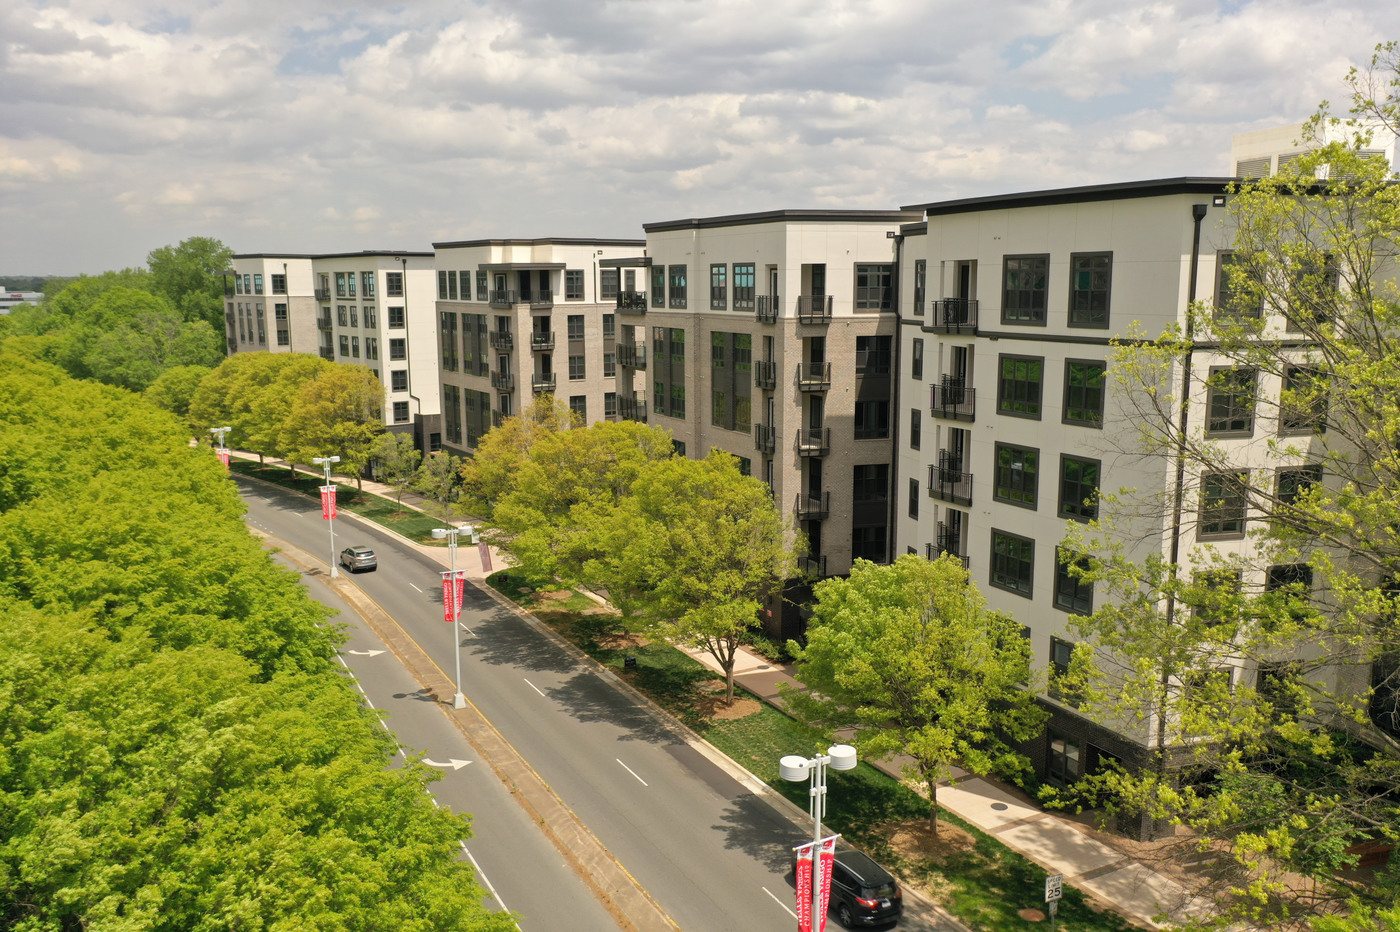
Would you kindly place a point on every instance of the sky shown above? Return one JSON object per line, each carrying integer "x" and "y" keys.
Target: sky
{"x": 315, "y": 126}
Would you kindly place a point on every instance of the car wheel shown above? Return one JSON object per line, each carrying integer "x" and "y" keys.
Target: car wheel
{"x": 844, "y": 914}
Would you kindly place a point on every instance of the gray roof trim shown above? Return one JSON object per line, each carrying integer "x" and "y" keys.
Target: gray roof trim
{"x": 543, "y": 241}
{"x": 1096, "y": 192}
{"x": 787, "y": 216}
{"x": 634, "y": 262}
{"x": 520, "y": 266}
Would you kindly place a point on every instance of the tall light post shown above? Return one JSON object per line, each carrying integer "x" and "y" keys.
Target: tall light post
{"x": 454, "y": 609}
{"x": 328, "y": 502}
{"x": 813, "y": 770}
{"x": 222, "y": 450}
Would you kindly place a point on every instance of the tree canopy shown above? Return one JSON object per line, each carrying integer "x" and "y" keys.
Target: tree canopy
{"x": 188, "y": 276}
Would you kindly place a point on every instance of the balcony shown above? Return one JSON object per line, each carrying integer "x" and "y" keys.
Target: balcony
{"x": 953, "y": 399}
{"x": 328, "y": 352}
{"x": 765, "y": 374}
{"x": 323, "y": 294}
{"x": 948, "y": 482}
{"x": 542, "y": 383}
{"x": 501, "y": 339}
{"x": 631, "y": 302}
{"x": 634, "y": 408}
{"x": 813, "y": 376}
{"x": 948, "y": 541}
{"x": 542, "y": 342}
{"x": 503, "y": 381}
{"x": 504, "y": 298}
{"x": 814, "y": 309}
{"x": 540, "y": 300}
{"x": 952, "y": 315}
{"x": 810, "y": 565}
{"x": 814, "y": 441}
{"x": 323, "y": 322}
{"x": 767, "y": 309}
{"x": 632, "y": 356}
{"x": 765, "y": 438}
{"x": 813, "y": 507}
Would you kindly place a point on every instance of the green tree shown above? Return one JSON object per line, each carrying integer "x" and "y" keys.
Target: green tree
{"x": 188, "y": 276}
{"x": 398, "y": 459}
{"x": 909, "y": 658}
{"x": 339, "y": 411}
{"x": 253, "y": 394}
{"x": 174, "y": 389}
{"x": 437, "y": 481}
{"x": 490, "y": 474}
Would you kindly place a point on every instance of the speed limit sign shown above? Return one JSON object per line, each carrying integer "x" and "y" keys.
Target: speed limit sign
{"x": 1052, "y": 887}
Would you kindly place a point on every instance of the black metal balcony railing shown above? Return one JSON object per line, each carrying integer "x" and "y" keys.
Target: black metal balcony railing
{"x": 765, "y": 374}
{"x": 765, "y": 438}
{"x": 948, "y": 541}
{"x": 634, "y": 408}
{"x": 324, "y": 322}
{"x": 813, "y": 376}
{"x": 323, "y": 294}
{"x": 767, "y": 310}
{"x": 813, "y": 441}
{"x": 540, "y": 341}
{"x": 501, "y": 339}
{"x": 632, "y": 355}
{"x": 947, "y": 481}
{"x": 632, "y": 302}
{"x": 540, "y": 299}
{"x": 814, "y": 309}
{"x": 503, "y": 381}
{"x": 504, "y": 298}
{"x": 810, "y": 565}
{"x": 542, "y": 383}
{"x": 952, "y": 315}
{"x": 953, "y": 399}
{"x": 813, "y": 507}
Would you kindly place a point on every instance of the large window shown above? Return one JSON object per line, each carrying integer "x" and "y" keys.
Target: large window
{"x": 1090, "y": 274}
{"x": 575, "y": 322}
{"x": 872, "y": 420}
{"x": 1013, "y": 559}
{"x": 677, "y": 400}
{"x": 578, "y": 404}
{"x": 1073, "y": 593}
{"x": 1230, "y": 401}
{"x": 258, "y": 283}
{"x": 607, "y": 284}
{"x": 398, "y": 348}
{"x": 868, "y": 543}
{"x": 577, "y": 370}
{"x": 1084, "y": 392}
{"x": 1235, "y": 294}
{"x": 393, "y": 288}
{"x": 279, "y": 284}
{"x": 719, "y": 287}
{"x": 1293, "y": 481}
{"x": 609, "y": 326}
{"x": 573, "y": 284}
{"x": 481, "y": 285}
{"x": 913, "y": 498}
{"x": 873, "y": 286}
{"x": 1024, "y": 283}
{"x": 1223, "y": 504}
{"x": 609, "y": 365}
{"x": 677, "y": 284}
{"x": 744, "y": 279}
{"x": 873, "y": 355}
{"x": 916, "y": 429}
{"x": 1019, "y": 385}
{"x": 676, "y": 337}
{"x": 920, "y": 285}
{"x": 367, "y": 285}
{"x": 1017, "y": 475}
{"x": 396, "y": 319}
{"x": 916, "y": 361}
{"x": 719, "y": 409}
{"x": 400, "y": 412}
{"x": 1061, "y": 655}
{"x": 871, "y": 483}
{"x": 658, "y": 286}
{"x": 1302, "y": 407}
{"x": 1079, "y": 488}
{"x": 398, "y": 380}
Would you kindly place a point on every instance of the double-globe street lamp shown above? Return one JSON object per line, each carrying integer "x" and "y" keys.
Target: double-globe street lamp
{"x": 327, "y": 505}
{"x": 454, "y": 606}
{"x": 813, "y": 770}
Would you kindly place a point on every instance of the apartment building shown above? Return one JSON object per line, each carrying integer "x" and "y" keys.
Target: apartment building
{"x": 782, "y": 354}
{"x": 269, "y": 305}
{"x": 1261, "y": 153}
{"x": 521, "y": 317}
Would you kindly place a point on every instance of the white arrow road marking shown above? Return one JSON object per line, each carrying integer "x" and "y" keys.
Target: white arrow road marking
{"x": 534, "y": 687}
{"x": 778, "y": 901}
{"x": 366, "y": 653}
{"x": 452, "y": 762}
{"x": 632, "y": 772}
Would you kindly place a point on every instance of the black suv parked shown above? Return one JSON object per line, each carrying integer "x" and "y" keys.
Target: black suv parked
{"x": 862, "y": 892}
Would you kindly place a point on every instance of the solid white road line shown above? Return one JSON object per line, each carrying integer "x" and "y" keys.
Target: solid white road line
{"x": 632, "y": 772}
{"x": 779, "y": 902}
{"x": 534, "y": 687}
{"x": 411, "y": 584}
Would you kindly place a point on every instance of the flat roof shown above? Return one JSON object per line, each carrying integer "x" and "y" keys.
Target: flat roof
{"x": 333, "y": 255}
{"x": 786, "y": 216}
{"x": 543, "y": 241}
{"x": 1124, "y": 190}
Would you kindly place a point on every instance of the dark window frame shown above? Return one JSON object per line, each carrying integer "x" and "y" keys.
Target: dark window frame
{"x": 1018, "y": 579}
{"x": 1006, "y": 400}
{"x": 719, "y": 286}
{"x": 1085, "y": 392}
{"x": 1072, "y": 594}
{"x": 1030, "y": 309}
{"x": 1230, "y": 402}
{"x": 573, "y": 284}
{"x": 1013, "y": 486}
{"x": 1224, "y": 514}
{"x": 1074, "y": 508}
{"x": 1082, "y": 311}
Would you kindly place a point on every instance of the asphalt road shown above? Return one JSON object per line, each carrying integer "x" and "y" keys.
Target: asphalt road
{"x": 711, "y": 852}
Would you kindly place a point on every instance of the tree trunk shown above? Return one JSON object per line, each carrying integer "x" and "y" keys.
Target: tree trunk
{"x": 932, "y": 782}
{"x": 729, "y": 680}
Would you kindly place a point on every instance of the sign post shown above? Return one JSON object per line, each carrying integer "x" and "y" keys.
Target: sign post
{"x": 1053, "y": 885}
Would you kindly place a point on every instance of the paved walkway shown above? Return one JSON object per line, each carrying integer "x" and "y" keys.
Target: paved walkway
{"x": 1059, "y": 844}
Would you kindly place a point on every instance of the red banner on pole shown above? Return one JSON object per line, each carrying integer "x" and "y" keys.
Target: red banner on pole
{"x": 828, "y": 855}
{"x": 223, "y": 456}
{"x": 327, "y": 502}
{"x": 485, "y": 552}
{"x": 453, "y": 588}
{"x": 804, "y": 889}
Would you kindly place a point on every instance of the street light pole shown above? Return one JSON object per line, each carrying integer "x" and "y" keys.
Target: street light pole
{"x": 219, "y": 434}
{"x": 459, "y": 701}
{"x": 325, "y": 463}
{"x": 813, "y": 770}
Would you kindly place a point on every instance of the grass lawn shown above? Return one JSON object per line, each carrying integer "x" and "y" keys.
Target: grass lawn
{"x": 970, "y": 873}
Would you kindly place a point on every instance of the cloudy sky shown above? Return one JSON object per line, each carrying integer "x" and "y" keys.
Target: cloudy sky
{"x": 317, "y": 126}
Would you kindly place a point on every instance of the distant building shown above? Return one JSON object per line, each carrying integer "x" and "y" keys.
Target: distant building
{"x": 9, "y": 299}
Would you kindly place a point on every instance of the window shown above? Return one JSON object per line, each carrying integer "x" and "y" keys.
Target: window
{"x": 609, "y": 326}
{"x": 1061, "y": 656}
{"x": 607, "y": 285}
{"x": 395, "y": 318}
{"x": 677, "y": 284}
{"x": 481, "y": 285}
{"x": 1223, "y": 503}
{"x": 344, "y": 345}
{"x": 873, "y": 287}
{"x": 355, "y": 347}
{"x": 920, "y": 287}
{"x": 719, "y": 288}
{"x": 872, "y": 420}
{"x": 393, "y": 288}
{"x": 370, "y": 321}
{"x": 573, "y": 284}
{"x": 1072, "y": 593}
{"x": 1018, "y": 388}
{"x": 1084, "y": 392}
{"x": 367, "y": 284}
{"x": 1017, "y": 475}
{"x": 279, "y": 312}
{"x": 1012, "y": 562}
{"x": 354, "y": 315}
{"x": 677, "y": 339}
{"x": 350, "y": 281}
{"x": 1062, "y": 761}
{"x": 1235, "y": 295}
{"x": 257, "y": 283}
{"x": 279, "y": 284}
{"x": 717, "y": 349}
{"x": 744, "y": 280}
{"x": 400, "y": 412}
{"x": 916, "y": 428}
{"x": 719, "y": 409}
{"x": 371, "y": 347}
{"x": 442, "y": 284}
{"x": 1230, "y": 401}
{"x": 575, "y": 322}
{"x": 1295, "y": 480}
{"x": 868, "y": 543}
{"x": 745, "y": 466}
{"x": 609, "y": 365}
{"x": 677, "y": 400}
{"x": 658, "y": 395}
{"x": 398, "y": 380}
{"x": 913, "y": 498}
{"x": 1302, "y": 407}
{"x": 1214, "y": 596}
{"x": 872, "y": 355}
{"x": 247, "y": 284}
{"x": 658, "y": 286}
{"x": 1025, "y": 281}
{"x": 578, "y": 404}
{"x": 916, "y": 361}
{"x": 871, "y": 483}
{"x": 1079, "y": 488}
{"x": 398, "y": 348}
{"x": 342, "y": 315}
{"x": 1090, "y": 274}
{"x": 577, "y": 370}
{"x": 609, "y": 404}
{"x": 678, "y": 448}
{"x": 238, "y": 284}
